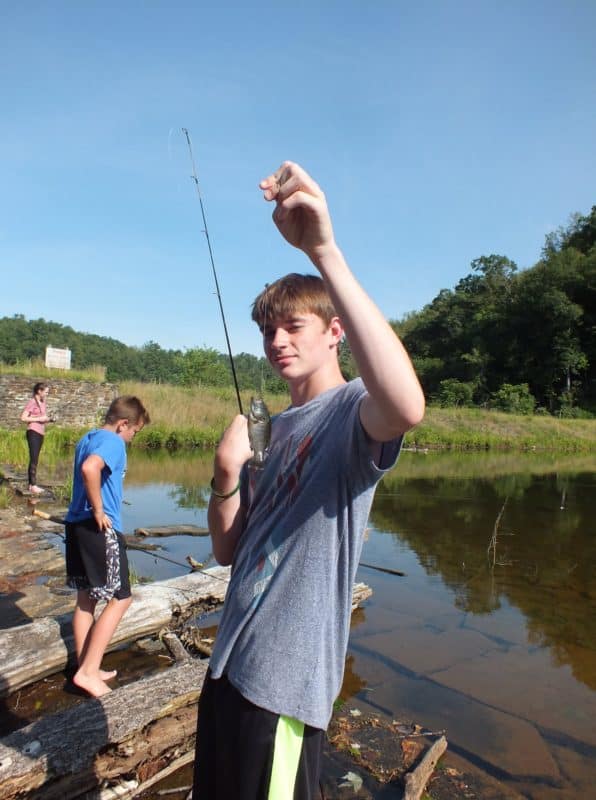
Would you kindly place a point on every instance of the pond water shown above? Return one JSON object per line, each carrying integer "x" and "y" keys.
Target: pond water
{"x": 491, "y": 633}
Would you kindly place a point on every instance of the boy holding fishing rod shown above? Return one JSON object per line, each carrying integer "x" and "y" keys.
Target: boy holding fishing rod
{"x": 293, "y": 528}
{"x": 96, "y": 562}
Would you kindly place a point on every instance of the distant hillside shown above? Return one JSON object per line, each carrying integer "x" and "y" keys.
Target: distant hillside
{"x": 23, "y": 340}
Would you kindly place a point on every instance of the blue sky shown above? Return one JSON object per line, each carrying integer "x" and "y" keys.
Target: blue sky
{"x": 440, "y": 131}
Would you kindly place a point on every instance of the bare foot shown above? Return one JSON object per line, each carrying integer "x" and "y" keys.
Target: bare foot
{"x": 106, "y": 675}
{"x": 92, "y": 684}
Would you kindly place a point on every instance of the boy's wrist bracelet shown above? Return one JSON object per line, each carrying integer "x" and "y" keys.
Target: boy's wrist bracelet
{"x": 220, "y": 495}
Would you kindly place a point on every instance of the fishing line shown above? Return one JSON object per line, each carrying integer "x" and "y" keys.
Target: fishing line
{"x": 152, "y": 553}
{"x": 206, "y": 232}
{"x": 263, "y": 360}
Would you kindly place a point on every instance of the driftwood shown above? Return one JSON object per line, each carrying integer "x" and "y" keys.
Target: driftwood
{"x": 30, "y": 652}
{"x": 384, "y": 569}
{"x": 142, "y": 731}
{"x": 175, "y": 646}
{"x": 138, "y": 543}
{"x": 137, "y": 731}
{"x": 33, "y": 651}
{"x": 172, "y": 530}
{"x": 360, "y": 593}
{"x": 416, "y": 780}
{"x": 124, "y": 790}
{"x": 133, "y": 541}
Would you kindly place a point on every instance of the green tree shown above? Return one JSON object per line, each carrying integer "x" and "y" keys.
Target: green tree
{"x": 203, "y": 366}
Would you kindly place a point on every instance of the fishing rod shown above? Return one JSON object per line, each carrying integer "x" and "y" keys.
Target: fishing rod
{"x": 206, "y": 232}
{"x": 61, "y": 521}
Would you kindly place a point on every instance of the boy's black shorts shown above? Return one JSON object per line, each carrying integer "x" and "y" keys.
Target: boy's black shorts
{"x": 96, "y": 561}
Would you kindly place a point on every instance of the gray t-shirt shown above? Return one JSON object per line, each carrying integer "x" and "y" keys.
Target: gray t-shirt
{"x": 283, "y": 636}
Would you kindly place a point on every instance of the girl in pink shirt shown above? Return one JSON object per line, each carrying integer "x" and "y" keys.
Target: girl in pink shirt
{"x": 36, "y": 418}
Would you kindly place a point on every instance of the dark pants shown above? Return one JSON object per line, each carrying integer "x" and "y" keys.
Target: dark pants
{"x": 35, "y": 441}
{"x": 235, "y": 749}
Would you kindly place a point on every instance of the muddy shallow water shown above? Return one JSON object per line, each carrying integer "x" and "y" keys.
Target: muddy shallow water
{"x": 489, "y": 636}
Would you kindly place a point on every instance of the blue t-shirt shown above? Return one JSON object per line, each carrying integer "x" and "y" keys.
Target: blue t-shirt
{"x": 284, "y": 631}
{"x": 111, "y": 448}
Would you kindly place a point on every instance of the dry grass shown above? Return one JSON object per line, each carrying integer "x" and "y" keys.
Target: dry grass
{"x": 194, "y": 407}
{"x": 36, "y": 368}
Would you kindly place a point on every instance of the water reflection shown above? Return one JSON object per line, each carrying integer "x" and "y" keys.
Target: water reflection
{"x": 521, "y": 539}
{"x": 490, "y": 635}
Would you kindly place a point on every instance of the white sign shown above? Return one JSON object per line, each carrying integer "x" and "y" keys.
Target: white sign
{"x": 57, "y": 359}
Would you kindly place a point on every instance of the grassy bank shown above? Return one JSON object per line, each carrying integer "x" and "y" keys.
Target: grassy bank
{"x": 478, "y": 429}
{"x": 185, "y": 418}
{"x": 198, "y": 416}
{"x": 194, "y": 416}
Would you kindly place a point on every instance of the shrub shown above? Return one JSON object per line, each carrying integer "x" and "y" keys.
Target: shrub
{"x": 514, "y": 398}
{"x": 453, "y": 392}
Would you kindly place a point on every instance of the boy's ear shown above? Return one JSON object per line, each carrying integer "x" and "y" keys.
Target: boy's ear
{"x": 336, "y": 329}
{"x": 122, "y": 423}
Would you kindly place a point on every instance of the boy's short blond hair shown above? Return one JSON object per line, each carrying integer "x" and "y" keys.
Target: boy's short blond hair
{"x": 293, "y": 294}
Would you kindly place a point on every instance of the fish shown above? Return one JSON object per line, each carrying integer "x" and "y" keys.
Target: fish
{"x": 259, "y": 431}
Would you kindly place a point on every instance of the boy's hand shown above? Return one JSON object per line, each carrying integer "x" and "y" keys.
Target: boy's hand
{"x": 301, "y": 212}
{"x": 104, "y": 523}
{"x": 233, "y": 451}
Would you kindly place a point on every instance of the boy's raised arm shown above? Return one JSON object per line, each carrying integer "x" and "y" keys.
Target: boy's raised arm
{"x": 395, "y": 401}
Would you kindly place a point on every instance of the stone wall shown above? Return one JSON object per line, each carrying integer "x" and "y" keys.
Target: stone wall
{"x": 73, "y": 404}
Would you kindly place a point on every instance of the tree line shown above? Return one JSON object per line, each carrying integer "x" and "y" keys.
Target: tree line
{"x": 516, "y": 340}
{"x": 520, "y": 341}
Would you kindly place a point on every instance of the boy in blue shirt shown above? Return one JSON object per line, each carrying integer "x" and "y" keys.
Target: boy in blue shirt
{"x": 96, "y": 561}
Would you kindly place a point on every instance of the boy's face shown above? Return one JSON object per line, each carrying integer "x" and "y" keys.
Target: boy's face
{"x": 298, "y": 345}
{"x": 127, "y": 430}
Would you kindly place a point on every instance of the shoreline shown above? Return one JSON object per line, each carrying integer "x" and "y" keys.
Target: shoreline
{"x": 34, "y": 566}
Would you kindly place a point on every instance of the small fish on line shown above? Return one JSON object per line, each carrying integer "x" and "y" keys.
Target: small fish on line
{"x": 259, "y": 431}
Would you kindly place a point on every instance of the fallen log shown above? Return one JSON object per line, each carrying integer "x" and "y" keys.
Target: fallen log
{"x": 177, "y": 650}
{"x": 33, "y": 651}
{"x": 172, "y": 530}
{"x": 30, "y": 652}
{"x": 126, "y": 790}
{"x": 138, "y": 543}
{"x": 133, "y": 542}
{"x": 136, "y": 730}
{"x": 416, "y": 780}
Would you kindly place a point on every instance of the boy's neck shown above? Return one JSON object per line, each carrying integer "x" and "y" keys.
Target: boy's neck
{"x": 302, "y": 390}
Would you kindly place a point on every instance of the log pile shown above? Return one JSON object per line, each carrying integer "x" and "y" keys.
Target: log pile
{"x": 33, "y": 651}
{"x": 140, "y": 731}
{"x": 136, "y": 731}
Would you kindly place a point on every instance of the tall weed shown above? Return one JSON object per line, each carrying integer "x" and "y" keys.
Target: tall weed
{"x": 35, "y": 367}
